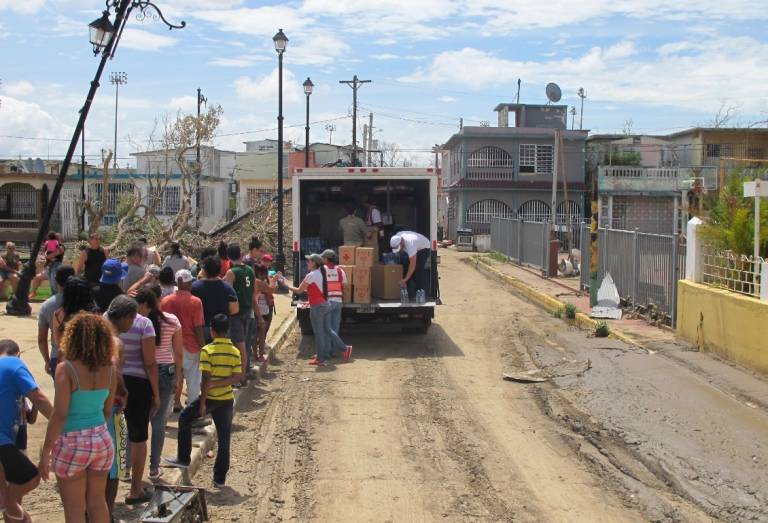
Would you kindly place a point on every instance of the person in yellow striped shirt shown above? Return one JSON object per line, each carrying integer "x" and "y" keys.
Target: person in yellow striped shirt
{"x": 220, "y": 365}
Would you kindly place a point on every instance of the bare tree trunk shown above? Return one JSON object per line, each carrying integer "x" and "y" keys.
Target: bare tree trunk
{"x": 95, "y": 216}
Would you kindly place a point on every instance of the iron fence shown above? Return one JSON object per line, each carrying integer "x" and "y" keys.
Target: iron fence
{"x": 523, "y": 242}
{"x": 645, "y": 267}
{"x": 726, "y": 270}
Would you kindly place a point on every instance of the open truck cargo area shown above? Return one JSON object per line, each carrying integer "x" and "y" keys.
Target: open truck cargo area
{"x": 407, "y": 199}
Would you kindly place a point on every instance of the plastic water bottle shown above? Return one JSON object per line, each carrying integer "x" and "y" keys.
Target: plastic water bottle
{"x": 421, "y": 296}
{"x": 403, "y": 295}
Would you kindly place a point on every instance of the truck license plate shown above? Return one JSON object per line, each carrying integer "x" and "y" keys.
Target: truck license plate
{"x": 366, "y": 309}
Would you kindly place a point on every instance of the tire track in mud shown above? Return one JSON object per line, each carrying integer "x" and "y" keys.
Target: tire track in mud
{"x": 443, "y": 439}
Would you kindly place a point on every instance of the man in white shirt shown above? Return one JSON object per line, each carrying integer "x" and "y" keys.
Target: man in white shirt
{"x": 375, "y": 225}
{"x": 417, "y": 248}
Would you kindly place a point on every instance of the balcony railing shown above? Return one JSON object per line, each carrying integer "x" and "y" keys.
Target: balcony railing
{"x": 490, "y": 173}
{"x": 654, "y": 179}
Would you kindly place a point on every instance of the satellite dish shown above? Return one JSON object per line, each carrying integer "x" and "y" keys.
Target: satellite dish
{"x": 553, "y": 92}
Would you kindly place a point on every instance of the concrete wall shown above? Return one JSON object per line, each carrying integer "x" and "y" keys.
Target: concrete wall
{"x": 724, "y": 323}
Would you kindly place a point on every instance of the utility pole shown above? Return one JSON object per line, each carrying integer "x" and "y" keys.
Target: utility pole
{"x": 370, "y": 137}
{"x": 365, "y": 144}
{"x": 355, "y": 84}
{"x": 82, "y": 179}
{"x": 582, "y": 94}
{"x": 573, "y": 118}
{"x": 200, "y": 100}
{"x": 518, "y": 91}
{"x": 117, "y": 79}
{"x": 555, "y": 173}
{"x": 330, "y": 127}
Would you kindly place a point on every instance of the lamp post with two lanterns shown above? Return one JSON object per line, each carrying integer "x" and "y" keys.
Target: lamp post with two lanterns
{"x": 104, "y": 35}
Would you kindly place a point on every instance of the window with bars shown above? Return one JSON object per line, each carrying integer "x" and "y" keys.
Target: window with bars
{"x": 171, "y": 201}
{"x": 115, "y": 191}
{"x": 568, "y": 212}
{"x": 207, "y": 203}
{"x": 534, "y": 211}
{"x": 536, "y": 159}
{"x": 490, "y": 157}
{"x": 484, "y": 210}
{"x": 259, "y": 197}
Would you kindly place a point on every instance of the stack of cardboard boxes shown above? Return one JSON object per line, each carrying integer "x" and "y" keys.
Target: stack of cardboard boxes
{"x": 367, "y": 278}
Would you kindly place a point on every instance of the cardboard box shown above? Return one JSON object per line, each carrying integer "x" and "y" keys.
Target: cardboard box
{"x": 349, "y": 270}
{"x": 385, "y": 281}
{"x": 365, "y": 257}
{"x": 362, "y": 286}
{"x": 347, "y": 294}
{"x": 347, "y": 255}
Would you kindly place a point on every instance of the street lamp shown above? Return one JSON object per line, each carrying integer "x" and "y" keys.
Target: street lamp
{"x": 101, "y": 31}
{"x": 281, "y": 42}
{"x": 117, "y": 79}
{"x": 104, "y": 35}
{"x": 308, "y": 85}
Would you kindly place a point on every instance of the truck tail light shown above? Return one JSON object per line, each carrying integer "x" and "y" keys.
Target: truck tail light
{"x": 295, "y": 246}
{"x": 434, "y": 245}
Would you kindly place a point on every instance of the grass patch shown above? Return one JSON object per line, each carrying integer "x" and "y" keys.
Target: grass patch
{"x": 499, "y": 257}
{"x": 557, "y": 313}
{"x": 602, "y": 330}
{"x": 570, "y": 311}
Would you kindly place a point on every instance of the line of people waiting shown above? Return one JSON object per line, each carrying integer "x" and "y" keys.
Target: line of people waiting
{"x": 121, "y": 347}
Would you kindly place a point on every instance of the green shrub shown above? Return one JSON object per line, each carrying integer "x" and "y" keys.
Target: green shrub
{"x": 602, "y": 330}
{"x": 499, "y": 257}
{"x": 557, "y": 313}
{"x": 570, "y": 311}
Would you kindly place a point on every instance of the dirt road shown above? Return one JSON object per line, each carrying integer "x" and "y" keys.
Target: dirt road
{"x": 422, "y": 428}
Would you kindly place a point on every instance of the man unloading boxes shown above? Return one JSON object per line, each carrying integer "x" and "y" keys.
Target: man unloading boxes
{"x": 417, "y": 248}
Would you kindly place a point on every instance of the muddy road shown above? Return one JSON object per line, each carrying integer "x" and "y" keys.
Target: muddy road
{"x": 423, "y": 428}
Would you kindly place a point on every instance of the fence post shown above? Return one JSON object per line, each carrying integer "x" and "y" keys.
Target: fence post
{"x": 673, "y": 289}
{"x": 694, "y": 262}
{"x": 764, "y": 281}
{"x": 635, "y": 267}
{"x": 519, "y": 242}
{"x": 547, "y": 231}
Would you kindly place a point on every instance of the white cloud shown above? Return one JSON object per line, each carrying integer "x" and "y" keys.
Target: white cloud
{"x": 185, "y": 104}
{"x": 3, "y": 32}
{"x": 318, "y": 48}
{"x": 142, "y": 40}
{"x": 264, "y": 89}
{"x": 447, "y": 99}
{"x": 24, "y": 7}
{"x": 385, "y": 56}
{"x": 239, "y": 61}
{"x": 19, "y": 89}
{"x": 260, "y": 21}
{"x": 30, "y": 120}
{"x": 693, "y": 75}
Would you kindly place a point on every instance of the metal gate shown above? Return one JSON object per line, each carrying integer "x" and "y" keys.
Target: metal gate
{"x": 69, "y": 210}
{"x": 645, "y": 267}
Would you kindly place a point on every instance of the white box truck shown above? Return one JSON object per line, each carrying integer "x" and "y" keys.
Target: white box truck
{"x": 407, "y": 199}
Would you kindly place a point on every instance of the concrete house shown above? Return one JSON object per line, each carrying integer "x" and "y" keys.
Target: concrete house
{"x": 507, "y": 170}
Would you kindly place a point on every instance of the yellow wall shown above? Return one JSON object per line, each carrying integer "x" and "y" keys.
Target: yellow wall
{"x": 724, "y": 323}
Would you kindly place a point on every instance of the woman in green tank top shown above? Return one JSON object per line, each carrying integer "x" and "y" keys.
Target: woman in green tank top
{"x": 78, "y": 446}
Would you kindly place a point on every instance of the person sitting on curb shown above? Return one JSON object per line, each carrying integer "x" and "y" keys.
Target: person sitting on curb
{"x": 220, "y": 365}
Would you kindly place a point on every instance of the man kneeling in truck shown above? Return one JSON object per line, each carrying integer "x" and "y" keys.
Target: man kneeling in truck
{"x": 417, "y": 248}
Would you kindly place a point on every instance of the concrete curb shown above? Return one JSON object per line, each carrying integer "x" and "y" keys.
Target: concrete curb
{"x": 543, "y": 300}
{"x": 202, "y": 443}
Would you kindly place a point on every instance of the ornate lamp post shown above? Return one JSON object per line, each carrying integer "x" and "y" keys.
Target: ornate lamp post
{"x": 281, "y": 42}
{"x": 308, "y": 85}
{"x": 104, "y": 35}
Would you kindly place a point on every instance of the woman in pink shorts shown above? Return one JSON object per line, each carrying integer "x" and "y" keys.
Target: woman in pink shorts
{"x": 78, "y": 445}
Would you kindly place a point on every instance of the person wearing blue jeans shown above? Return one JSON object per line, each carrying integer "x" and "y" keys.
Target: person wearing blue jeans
{"x": 167, "y": 385}
{"x": 337, "y": 280}
{"x": 317, "y": 285}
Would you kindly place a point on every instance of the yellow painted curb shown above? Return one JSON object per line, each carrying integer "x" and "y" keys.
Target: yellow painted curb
{"x": 544, "y": 300}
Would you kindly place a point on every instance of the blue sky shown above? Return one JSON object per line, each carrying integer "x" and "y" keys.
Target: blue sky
{"x": 663, "y": 65}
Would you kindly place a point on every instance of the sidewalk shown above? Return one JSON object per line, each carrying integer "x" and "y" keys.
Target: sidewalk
{"x": 44, "y": 502}
{"x": 553, "y": 293}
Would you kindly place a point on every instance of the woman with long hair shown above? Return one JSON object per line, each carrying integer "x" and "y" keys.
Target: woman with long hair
{"x": 176, "y": 260}
{"x": 77, "y": 297}
{"x": 226, "y": 263}
{"x": 169, "y": 343}
{"x": 78, "y": 446}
